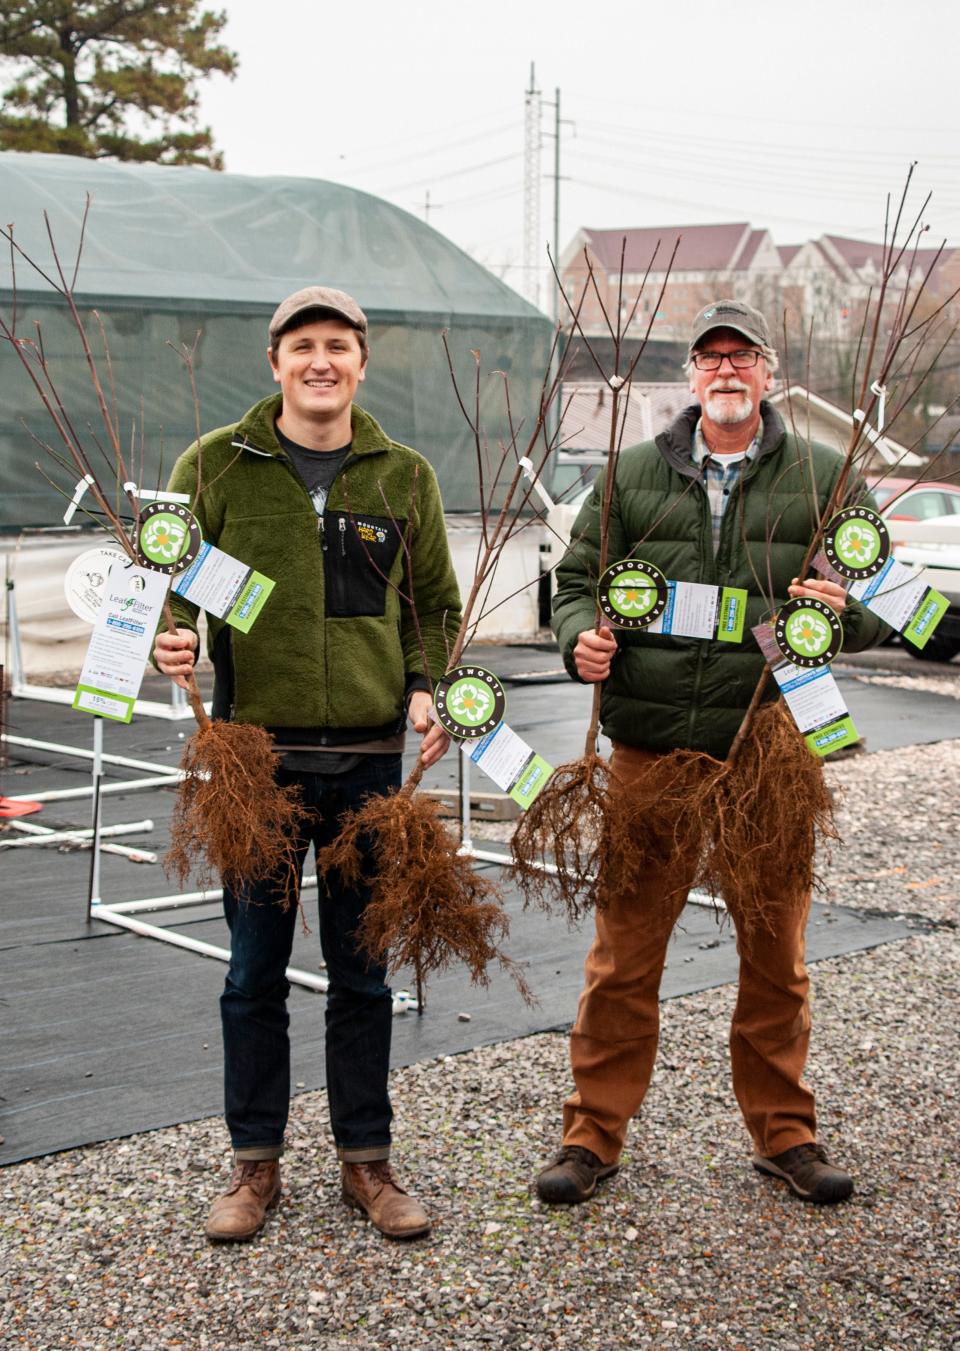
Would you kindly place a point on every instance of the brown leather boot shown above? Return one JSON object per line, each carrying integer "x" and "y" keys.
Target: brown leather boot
{"x": 372, "y": 1187}
{"x": 240, "y": 1212}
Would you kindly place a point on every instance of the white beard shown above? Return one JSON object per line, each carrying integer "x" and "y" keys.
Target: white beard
{"x": 725, "y": 411}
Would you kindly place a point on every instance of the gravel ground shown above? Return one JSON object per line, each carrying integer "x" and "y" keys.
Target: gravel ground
{"x": 103, "y": 1248}
{"x": 899, "y": 818}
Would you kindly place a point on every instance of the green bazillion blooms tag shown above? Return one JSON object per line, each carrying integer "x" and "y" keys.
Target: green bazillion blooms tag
{"x": 856, "y": 546}
{"x": 799, "y": 645}
{"x": 470, "y": 703}
{"x": 633, "y": 594}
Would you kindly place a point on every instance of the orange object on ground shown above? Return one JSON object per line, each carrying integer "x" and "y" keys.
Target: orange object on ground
{"x": 10, "y": 807}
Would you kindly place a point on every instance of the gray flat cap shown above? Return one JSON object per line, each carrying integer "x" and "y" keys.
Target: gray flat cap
{"x": 317, "y": 298}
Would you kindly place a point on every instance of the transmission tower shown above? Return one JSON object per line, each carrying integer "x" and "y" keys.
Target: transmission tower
{"x": 532, "y": 241}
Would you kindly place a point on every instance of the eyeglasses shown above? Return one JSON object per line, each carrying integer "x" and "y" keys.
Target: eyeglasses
{"x": 712, "y": 361}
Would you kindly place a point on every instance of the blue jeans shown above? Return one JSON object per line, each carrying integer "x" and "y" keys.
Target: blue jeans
{"x": 359, "y": 1007}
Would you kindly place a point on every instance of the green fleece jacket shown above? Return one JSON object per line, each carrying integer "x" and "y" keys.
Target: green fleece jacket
{"x": 335, "y": 648}
{"x": 666, "y": 692}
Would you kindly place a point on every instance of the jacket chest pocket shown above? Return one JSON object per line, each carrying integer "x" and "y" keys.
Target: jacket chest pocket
{"x": 359, "y": 552}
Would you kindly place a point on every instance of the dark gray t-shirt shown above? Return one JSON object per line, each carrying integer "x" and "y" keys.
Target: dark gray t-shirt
{"x": 317, "y": 468}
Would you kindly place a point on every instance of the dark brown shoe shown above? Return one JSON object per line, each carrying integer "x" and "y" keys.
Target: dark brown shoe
{"x": 807, "y": 1172}
{"x": 240, "y": 1212}
{"x": 572, "y": 1176}
{"x": 373, "y": 1188}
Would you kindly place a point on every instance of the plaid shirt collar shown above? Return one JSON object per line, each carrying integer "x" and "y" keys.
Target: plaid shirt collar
{"x": 719, "y": 478}
{"x": 701, "y": 453}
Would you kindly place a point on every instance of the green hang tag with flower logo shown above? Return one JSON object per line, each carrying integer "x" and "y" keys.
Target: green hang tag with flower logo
{"x": 469, "y": 701}
{"x": 168, "y": 537}
{"x": 632, "y": 594}
{"x": 808, "y": 632}
{"x": 856, "y": 543}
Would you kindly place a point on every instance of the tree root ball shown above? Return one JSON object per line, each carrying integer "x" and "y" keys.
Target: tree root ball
{"x": 429, "y": 906}
{"x": 745, "y": 831}
{"x": 565, "y": 825}
{"x": 231, "y": 819}
{"x": 769, "y": 810}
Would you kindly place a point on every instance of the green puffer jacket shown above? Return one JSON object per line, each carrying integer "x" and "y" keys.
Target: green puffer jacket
{"x": 666, "y": 692}
{"x": 334, "y": 649}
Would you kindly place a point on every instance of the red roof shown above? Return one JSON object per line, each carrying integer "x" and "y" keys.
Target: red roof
{"x": 703, "y": 248}
{"x": 749, "y": 251}
{"x": 857, "y": 252}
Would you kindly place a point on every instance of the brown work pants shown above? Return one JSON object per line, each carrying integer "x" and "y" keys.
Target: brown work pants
{"x": 614, "y": 1040}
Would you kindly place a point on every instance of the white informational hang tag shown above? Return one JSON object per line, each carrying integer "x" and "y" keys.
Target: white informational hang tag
{"x": 121, "y": 642}
{"x": 817, "y": 707}
{"x": 224, "y": 587}
{"x": 812, "y": 695}
{"x": 510, "y": 763}
{"x": 698, "y": 610}
{"x": 904, "y": 599}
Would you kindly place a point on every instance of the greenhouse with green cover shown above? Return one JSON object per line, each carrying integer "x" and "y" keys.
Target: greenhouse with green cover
{"x": 172, "y": 253}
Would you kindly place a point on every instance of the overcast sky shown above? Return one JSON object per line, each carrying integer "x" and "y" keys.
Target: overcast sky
{"x": 798, "y": 117}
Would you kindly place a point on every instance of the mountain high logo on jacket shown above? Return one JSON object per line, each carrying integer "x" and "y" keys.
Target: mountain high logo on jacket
{"x": 633, "y": 593}
{"x": 371, "y": 534}
{"x": 469, "y": 701}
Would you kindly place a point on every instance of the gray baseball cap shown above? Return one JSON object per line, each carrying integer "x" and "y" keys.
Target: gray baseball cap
{"x": 317, "y": 298}
{"x": 730, "y": 314}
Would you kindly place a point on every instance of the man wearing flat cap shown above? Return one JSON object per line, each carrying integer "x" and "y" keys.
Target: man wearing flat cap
{"x": 309, "y": 490}
{"x": 722, "y": 497}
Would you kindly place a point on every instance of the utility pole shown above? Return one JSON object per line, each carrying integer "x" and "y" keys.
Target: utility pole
{"x": 557, "y": 177}
{"x": 532, "y": 142}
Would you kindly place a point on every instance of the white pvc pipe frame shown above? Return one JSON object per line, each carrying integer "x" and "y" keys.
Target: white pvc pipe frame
{"x": 118, "y": 913}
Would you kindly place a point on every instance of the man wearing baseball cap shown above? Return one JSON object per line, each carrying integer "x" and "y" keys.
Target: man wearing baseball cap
{"x": 724, "y": 497}
{"x": 309, "y": 490}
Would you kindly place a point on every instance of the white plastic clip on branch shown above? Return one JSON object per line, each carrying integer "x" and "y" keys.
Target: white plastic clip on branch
{"x": 874, "y": 437}
{"x": 527, "y": 466}
{"x": 615, "y": 381}
{"x": 148, "y": 495}
{"x": 78, "y": 493}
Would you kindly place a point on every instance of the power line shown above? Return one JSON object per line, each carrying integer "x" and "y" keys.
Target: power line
{"x": 744, "y": 173}
{"x": 873, "y": 128}
{"x": 416, "y": 154}
{"x": 752, "y": 148}
{"x": 454, "y": 173}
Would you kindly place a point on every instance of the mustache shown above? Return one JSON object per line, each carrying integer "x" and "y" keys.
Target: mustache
{"x": 728, "y": 386}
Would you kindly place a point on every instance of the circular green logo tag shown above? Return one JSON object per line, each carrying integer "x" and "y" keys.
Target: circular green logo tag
{"x": 808, "y": 632}
{"x": 633, "y": 594}
{"x": 168, "y": 537}
{"x": 856, "y": 543}
{"x": 469, "y": 701}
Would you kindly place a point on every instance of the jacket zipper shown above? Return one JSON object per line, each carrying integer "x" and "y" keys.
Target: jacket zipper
{"x": 707, "y": 520}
